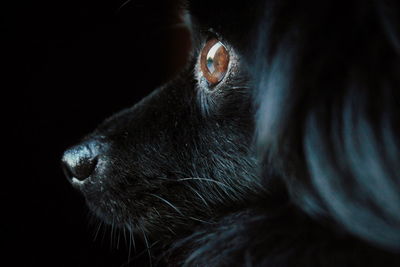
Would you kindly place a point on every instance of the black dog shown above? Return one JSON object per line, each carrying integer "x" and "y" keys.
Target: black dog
{"x": 315, "y": 85}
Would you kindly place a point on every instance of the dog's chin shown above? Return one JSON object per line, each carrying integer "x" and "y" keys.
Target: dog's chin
{"x": 99, "y": 201}
{"x": 138, "y": 224}
{"x": 132, "y": 214}
{"x": 109, "y": 212}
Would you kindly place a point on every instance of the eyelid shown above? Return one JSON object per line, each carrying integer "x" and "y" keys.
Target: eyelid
{"x": 211, "y": 96}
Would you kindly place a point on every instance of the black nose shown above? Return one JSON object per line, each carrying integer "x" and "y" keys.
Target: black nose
{"x": 80, "y": 161}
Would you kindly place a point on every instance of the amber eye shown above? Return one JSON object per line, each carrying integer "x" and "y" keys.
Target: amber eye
{"x": 214, "y": 60}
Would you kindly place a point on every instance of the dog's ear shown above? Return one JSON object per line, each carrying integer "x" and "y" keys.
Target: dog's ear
{"x": 332, "y": 134}
{"x": 160, "y": 31}
{"x": 176, "y": 41}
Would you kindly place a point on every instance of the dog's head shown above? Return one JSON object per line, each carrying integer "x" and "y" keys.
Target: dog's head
{"x": 183, "y": 154}
{"x": 323, "y": 78}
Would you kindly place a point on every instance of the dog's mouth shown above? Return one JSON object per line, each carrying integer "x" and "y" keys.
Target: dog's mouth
{"x": 134, "y": 200}
{"x": 149, "y": 211}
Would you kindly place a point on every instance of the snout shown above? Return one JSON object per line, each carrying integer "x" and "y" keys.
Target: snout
{"x": 79, "y": 162}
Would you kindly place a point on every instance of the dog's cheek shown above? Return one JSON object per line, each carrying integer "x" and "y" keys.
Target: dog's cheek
{"x": 165, "y": 139}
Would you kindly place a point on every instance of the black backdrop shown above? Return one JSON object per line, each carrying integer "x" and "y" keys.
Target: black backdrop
{"x": 69, "y": 65}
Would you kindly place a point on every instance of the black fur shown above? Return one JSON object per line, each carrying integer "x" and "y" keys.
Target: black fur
{"x": 315, "y": 86}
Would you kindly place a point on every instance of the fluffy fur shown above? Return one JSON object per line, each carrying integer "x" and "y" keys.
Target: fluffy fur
{"x": 292, "y": 161}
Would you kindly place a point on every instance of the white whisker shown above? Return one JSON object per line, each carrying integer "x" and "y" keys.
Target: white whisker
{"x": 199, "y": 195}
{"x": 167, "y": 202}
{"x": 147, "y": 246}
{"x": 205, "y": 179}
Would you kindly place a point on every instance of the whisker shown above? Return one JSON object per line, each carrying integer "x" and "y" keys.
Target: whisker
{"x": 124, "y": 231}
{"x": 123, "y": 4}
{"x": 131, "y": 243}
{"x": 156, "y": 211}
{"x": 97, "y": 231}
{"x": 199, "y": 195}
{"x": 112, "y": 235}
{"x": 205, "y": 179}
{"x": 199, "y": 220}
{"x": 147, "y": 246}
{"x": 130, "y": 247}
{"x": 167, "y": 202}
{"x": 197, "y": 178}
{"x": 170, "y": 229}
{"x": 104, "y": 234}
{"x": 118, "y": 233}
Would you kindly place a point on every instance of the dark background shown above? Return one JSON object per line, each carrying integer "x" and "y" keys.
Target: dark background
{"x": 69, "y": 65}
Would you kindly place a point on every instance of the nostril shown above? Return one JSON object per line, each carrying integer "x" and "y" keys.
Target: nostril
{"x": 82, "y": 170}
{"x": 79, "y": 162}
{"x": 85, "y": 168}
